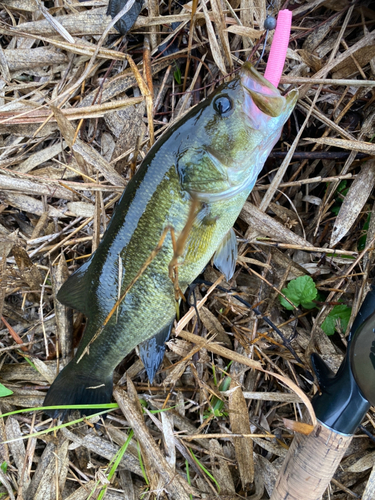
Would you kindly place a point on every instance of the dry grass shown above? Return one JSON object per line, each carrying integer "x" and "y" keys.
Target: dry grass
{"x": 79, "y": 107}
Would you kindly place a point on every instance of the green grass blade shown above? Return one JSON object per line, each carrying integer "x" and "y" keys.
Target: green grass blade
{"x": 205, "y": 470}
{"x": 115, "y": 463}
{"x": 55, "y": 428}
{"x": 107, "y": 406}
{"x": 188, "y": 477}
{"x": 141, "y": 463}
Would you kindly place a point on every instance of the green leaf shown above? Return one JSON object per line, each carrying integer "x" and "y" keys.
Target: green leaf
{"x": 4, "y": 391}
{"x": 217, "y": 404}
{"x": 362, "y": 240}
{"x": 339, "y": 313}
{"x": 177, "y": 75}
{"x": 302, "y": 291}
{"x": 335, "y": 210}
{"x": 342, "y": 186}
{"x": 343, "y": 191}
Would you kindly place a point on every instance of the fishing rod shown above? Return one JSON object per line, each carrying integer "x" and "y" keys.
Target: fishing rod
{"x": 340, "y": 406}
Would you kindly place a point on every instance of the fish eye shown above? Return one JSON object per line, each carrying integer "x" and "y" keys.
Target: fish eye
{"x": 223, "y": 105}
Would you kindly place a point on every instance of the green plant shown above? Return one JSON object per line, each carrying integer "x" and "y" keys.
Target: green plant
{"x": 114, "y": 463}
{"x": 217, "y": 404}
{"x": 339, "y": 313}
{"x": 301, "y": 291}
{"x": 143, "y": 470}
{"x": 26, "y": 358}
{"x": 362, "y": 240}
{"x": 204, "y": 470}
{"x": 343, "y": 191}
{"x": 109, "y": 407}
{"x": 188, "y": 476}
{"x": 177, "y": 75}
{"x": 4, "y": 391}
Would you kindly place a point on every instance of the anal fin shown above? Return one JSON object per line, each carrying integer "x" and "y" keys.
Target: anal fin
{"x": 152, "y": 351}
{"x": 226, "y": 255}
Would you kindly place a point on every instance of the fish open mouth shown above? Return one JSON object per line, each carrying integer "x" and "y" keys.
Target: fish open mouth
{"x": 264, "y": 95}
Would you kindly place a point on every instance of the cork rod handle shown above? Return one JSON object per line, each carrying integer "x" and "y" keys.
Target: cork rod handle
{"x": 310, "y": 464}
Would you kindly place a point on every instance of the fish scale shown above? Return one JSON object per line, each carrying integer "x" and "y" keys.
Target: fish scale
{"x": 214, "y": 155}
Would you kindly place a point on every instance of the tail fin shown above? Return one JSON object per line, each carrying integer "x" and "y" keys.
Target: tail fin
{"x": 74, "y": 388}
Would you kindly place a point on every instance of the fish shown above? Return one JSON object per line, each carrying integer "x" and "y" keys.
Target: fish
{"x": 212, "y": 155}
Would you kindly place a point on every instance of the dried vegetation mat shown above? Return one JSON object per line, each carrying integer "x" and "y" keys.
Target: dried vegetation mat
{"x": 79, "y": 108}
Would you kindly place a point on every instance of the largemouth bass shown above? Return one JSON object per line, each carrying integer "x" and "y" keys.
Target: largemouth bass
{"x": 214, "y": 155}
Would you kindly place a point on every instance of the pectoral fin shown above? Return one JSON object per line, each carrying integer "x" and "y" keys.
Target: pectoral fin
{"x": 226, "y": 255}
{"x": 152, "y": 351}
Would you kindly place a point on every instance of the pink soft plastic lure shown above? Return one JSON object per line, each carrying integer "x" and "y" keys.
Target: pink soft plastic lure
{"x": 280, "y": 42}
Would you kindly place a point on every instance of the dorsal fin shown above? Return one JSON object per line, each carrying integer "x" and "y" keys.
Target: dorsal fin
{"x": 75, "y": 290}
